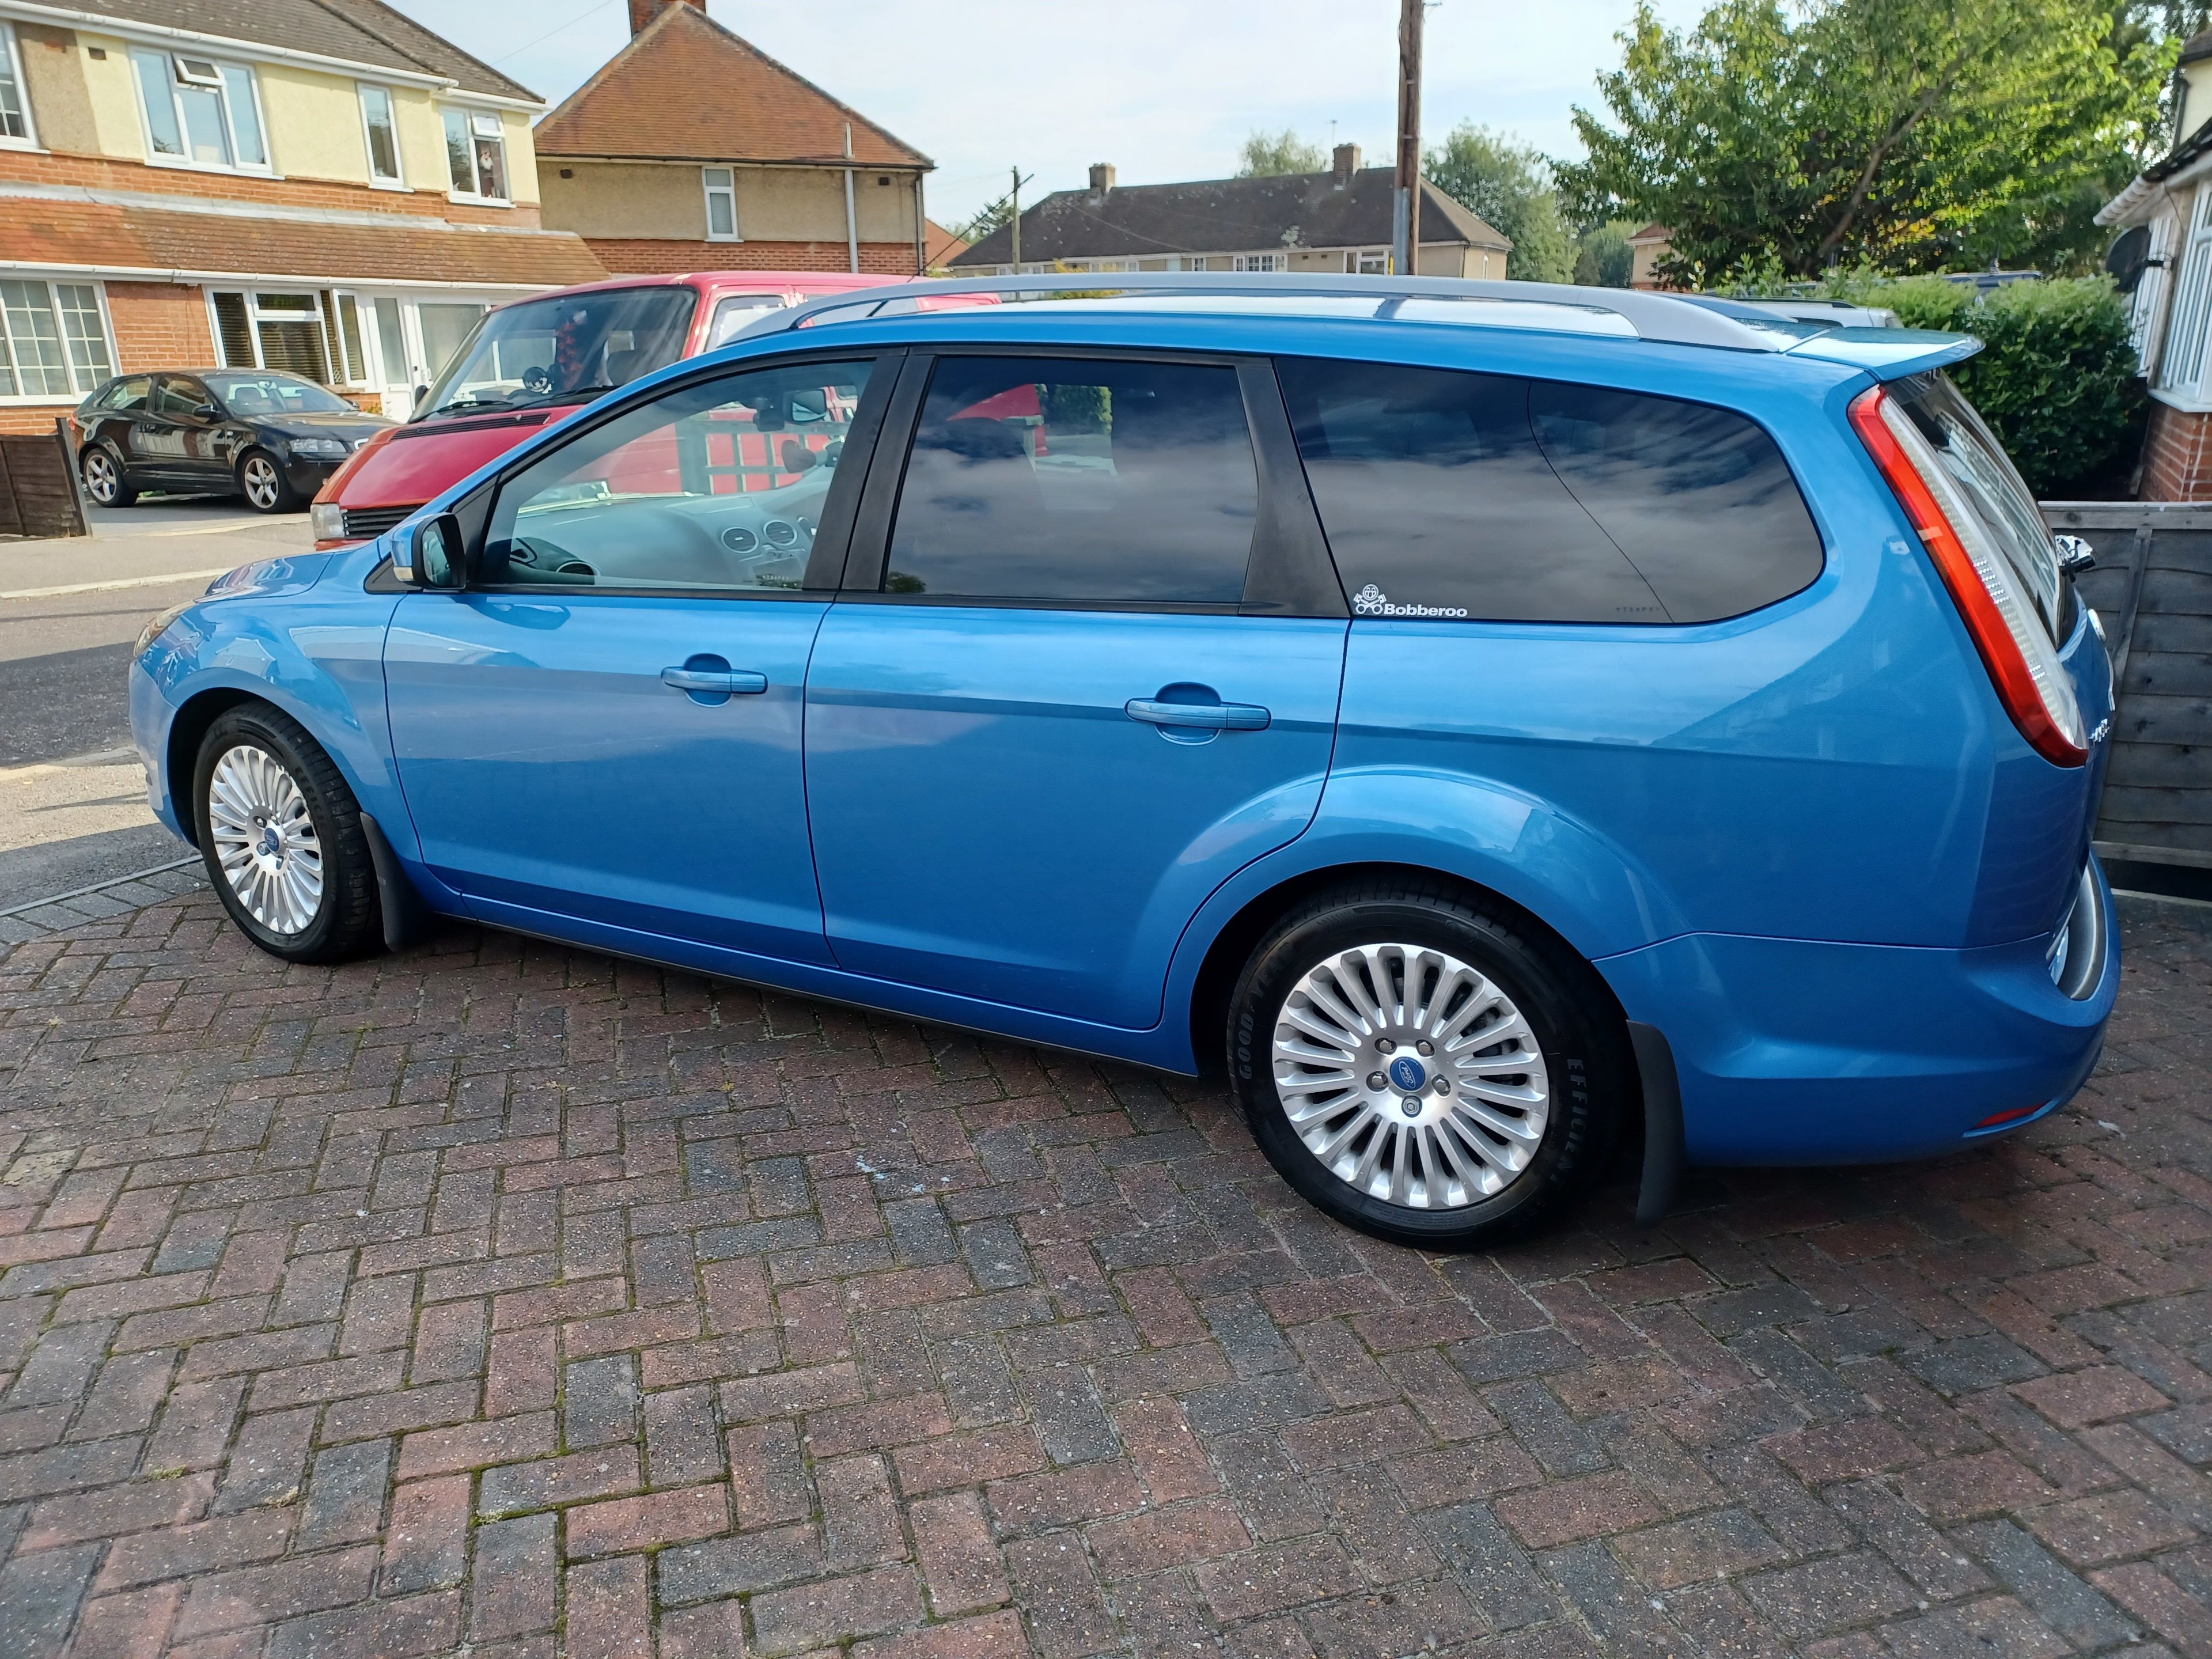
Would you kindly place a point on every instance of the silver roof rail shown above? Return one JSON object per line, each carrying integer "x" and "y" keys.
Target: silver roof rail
{"x": 1662, "y": 317}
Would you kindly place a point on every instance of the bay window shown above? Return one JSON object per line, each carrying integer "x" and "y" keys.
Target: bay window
{"x": 54, "y": 340}
{"x": 475, "y": 153}
{"x": 2182, "y": 373}
{"x": 200, "y": 112}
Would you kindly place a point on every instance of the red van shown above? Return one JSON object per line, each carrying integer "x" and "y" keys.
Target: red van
{"x": 537, "y": 360}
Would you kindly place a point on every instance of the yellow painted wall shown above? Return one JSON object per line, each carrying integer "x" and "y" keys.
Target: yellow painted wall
{"x": 315, "y": 124}
{"x": 112, "y": 95}
{"x": 422, "y": 139}
{"x": 2197, "y": 95}
{"x": 522, "y": 184}
{"x": 774, "y": 204}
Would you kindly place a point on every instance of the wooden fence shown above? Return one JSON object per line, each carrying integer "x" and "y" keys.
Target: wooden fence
{"x": 2152, "y": 589}
{"x": 38, "y": 486}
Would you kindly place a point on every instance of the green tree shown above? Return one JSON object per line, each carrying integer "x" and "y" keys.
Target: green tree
{"x": 1508, "y": 186}
{"x": 1269, "y": 153}
{"x": 987, "y": 219}
{"x": 1603, "y": 258}
{"x": 1899, "y": 134}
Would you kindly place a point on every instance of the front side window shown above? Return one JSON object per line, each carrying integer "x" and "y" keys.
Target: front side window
{"x": 54, "y": 340}
{"x": 719, "y": 485}
{"x": 720, "y": 186}
{"x": 381, "y": 127}
{"x": 475, "y": 153}
{"x": 180, "y": 399}
{"x": 14, "y": 108}
{"x": 200, "y": 111}
{"x": 1075, "y": 481}
{"x": 1456, "y": 495}
{"x": 576, "y": 347}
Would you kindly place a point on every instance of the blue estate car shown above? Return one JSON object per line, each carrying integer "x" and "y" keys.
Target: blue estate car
{"x": 1484, "y": 717}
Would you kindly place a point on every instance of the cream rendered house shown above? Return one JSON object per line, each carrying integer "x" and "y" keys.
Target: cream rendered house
{"x": 691, "y": 150}
{"x": 319, "y": 185}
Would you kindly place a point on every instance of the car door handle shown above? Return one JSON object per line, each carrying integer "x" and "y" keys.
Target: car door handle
{"x": 1212, "y": 716}
{"x": 741, "y": 681}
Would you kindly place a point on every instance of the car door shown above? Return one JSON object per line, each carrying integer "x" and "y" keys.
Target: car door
{"x": 1086, "y": 666}
{"x": 158, "y": 436}
{"x": 603, "y": 726}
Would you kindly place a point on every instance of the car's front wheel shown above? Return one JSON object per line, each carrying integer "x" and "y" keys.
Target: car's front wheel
{"x": 104, "y": 480}
{"x": 280, "y": 836}
{"x": 1424, "y": 1068}
{"x": 264, "y": 486}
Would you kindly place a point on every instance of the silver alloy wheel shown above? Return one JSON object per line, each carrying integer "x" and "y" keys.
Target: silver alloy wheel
{"x": 100, "y": 477}
{"x": 265, "y": 840}
{"x": 262, "y": 484}
{"x": 1410, "y": 1076}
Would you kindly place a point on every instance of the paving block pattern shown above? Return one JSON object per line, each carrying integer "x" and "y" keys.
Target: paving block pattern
{"x": 507, "y": 1300}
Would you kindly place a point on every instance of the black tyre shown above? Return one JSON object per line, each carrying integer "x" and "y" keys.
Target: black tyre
{"x": 280, "y": 834}
{"x": 101, "y": 469}
{"x": 1425, "y": 1069}
{"x": 261, "y": 480}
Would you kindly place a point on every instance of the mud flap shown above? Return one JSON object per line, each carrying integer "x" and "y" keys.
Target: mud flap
{"x": 406, "y": 918}
{"x": 1662, "y": 1123}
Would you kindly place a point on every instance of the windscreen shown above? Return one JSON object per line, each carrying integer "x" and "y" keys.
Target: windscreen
{"x": 564, "y": 348}
{"x": 1993, "y": 490}
{"x": 257, "y": 395}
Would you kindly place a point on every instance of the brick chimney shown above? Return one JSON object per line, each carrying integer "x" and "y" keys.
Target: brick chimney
{"x": 1101, "y": 177}
{"x": 642, "y": 12}
{"x": 1346, "y": 162}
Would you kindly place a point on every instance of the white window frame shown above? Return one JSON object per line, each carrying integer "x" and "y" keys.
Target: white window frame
{"x": 1269, "y": 262}
{"x": 266, "y": 167}
{"x": 2181, "y": 376}
{"x": 377, "y": 181}
{"x": 728, "y": 190}
{"x": 255, "y": 316}
{"x": 84, "y": 381}
{"x": 11, "y": 61}
{"x": 1366, "y": 262}
{"x": 471, "y": 114}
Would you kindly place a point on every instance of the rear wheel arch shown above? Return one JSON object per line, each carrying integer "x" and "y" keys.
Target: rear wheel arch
{"x": 1232, "y": 946}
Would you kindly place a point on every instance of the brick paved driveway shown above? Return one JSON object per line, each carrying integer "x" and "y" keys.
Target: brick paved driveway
{"x": 514, "y": 1301}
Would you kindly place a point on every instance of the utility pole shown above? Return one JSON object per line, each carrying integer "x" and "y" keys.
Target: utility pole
{"x": 1406, "y": 201}
{"x": 1016, "y": 222}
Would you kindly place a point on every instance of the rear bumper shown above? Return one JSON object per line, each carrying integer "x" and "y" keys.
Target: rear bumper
{"x": 1794, "y": 1051}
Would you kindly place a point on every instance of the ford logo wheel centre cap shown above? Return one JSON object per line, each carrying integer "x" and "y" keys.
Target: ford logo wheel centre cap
{"x": 1408, "y": 1074}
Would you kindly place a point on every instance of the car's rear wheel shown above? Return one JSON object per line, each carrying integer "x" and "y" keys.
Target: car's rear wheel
{"x": 264, "y": 486}
{"x": 103, "y": 478}
{"x": 1425, "y": 1068}
{"x": 280, "y": 836}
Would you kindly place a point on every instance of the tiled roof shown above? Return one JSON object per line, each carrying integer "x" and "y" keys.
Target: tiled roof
{"x": 1224, "y": 216}
{"x": 2197, "y": 47}
{"x": 685, "y": 88}
{"x": 357, "y": 31}
{"x": 79, "y": 228}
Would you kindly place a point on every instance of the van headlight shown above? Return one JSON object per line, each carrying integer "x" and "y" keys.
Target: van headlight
{"x": 156, "y": 625}
{"x": 326, "y": 521}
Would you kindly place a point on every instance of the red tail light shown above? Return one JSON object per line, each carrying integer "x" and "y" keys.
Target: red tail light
{"x": 2021, "y": 658}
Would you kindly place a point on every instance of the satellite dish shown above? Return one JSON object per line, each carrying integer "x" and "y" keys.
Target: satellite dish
{"x": 2129, "y": 257}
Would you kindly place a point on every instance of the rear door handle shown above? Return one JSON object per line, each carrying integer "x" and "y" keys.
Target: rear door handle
{"x": 1212, "y": 716}
{"x": 743, "y": 682}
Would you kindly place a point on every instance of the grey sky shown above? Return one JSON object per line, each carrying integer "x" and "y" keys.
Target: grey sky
{"x": 1163, "y": 90}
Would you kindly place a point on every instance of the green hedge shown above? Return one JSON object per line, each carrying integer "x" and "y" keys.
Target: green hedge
{"x": 2057, "y": 379}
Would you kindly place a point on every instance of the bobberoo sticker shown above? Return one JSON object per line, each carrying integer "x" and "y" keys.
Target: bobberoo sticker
{"x": 1371, "y": 601}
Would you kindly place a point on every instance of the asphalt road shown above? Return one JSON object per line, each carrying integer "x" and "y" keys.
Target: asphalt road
{"x": 72, "y": 800}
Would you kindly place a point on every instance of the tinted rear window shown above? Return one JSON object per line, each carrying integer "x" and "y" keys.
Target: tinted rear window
{"x": 1493, "y": 497}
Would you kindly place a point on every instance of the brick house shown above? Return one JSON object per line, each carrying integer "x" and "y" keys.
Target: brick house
{"x": 2172, "y": 199}
{"x": 317, "y": 185}
{"x": 692, "y": 150}
{"x": 1338, "y": 221}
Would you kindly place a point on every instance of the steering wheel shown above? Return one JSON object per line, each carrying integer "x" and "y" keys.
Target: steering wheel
{"x": 536, "y": 380}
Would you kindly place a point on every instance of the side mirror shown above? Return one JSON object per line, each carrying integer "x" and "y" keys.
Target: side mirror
{"x": 432, "y": 554}
{"x": 208, "y": 412}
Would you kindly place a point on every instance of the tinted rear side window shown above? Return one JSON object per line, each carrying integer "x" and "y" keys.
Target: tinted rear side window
{"x": 1077, "y": 480}
{"x": 1494, "y": 497}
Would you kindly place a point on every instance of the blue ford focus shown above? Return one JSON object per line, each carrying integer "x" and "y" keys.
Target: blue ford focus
{"x": 1484, "y": 720}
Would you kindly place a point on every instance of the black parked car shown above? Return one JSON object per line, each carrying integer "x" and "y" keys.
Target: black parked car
{"x": 272, "y": 437}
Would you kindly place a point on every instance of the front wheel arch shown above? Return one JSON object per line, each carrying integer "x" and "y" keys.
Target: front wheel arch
{"x": 186, "y": 731}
